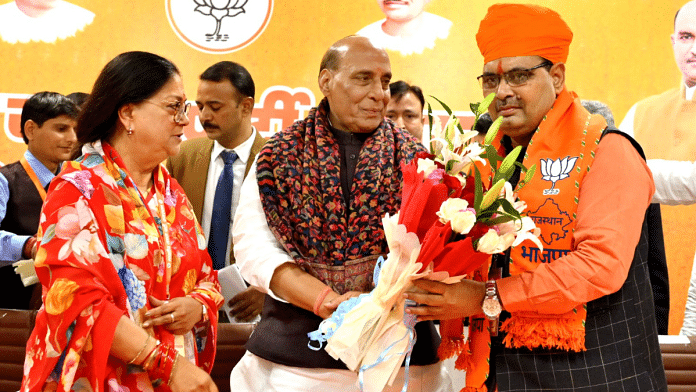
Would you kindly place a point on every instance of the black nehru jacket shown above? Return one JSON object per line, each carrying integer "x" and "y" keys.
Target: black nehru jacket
{"x": 21, "y": 218}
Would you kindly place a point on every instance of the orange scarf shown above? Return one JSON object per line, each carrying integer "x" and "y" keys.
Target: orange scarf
{"x": 563, "y": 148}
{"x": 565, "y": 143}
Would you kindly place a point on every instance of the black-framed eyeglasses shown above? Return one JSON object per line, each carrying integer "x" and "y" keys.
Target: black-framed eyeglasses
{"x": 515, "y": 78}
{"x": 181, "y": 109}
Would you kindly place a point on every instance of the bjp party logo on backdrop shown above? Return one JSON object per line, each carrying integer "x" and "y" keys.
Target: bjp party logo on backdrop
{"x": 219, "y": 26}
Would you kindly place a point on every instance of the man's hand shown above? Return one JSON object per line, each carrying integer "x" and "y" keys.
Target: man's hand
{"x": 332, "y": 301}
{"x": 441, "y": 301}
{"x": 29, "y": 249}
{"x": 247, "y": 304}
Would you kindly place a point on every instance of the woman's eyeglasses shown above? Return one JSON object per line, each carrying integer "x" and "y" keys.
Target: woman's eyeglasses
{"x": 181, "y": 109}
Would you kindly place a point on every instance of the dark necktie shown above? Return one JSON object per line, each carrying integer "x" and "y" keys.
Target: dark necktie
{"x": 222, "y": 207}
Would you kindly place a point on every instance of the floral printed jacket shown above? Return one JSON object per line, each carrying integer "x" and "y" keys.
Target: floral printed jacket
{"x": 102, "y": 255}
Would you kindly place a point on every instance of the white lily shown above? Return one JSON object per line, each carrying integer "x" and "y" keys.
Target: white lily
{"x": 492, "y": 243}
{"x": 522, "y": 229}
{"x": 528, "y": 231}
{"x": 511, "y": 196}
{"x": 470, "y": 152}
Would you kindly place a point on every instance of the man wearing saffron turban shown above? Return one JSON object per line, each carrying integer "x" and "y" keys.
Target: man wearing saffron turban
{"x": 578, "y": 315}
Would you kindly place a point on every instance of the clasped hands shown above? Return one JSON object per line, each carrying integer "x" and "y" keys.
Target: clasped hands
{"x": 177, "y": 315}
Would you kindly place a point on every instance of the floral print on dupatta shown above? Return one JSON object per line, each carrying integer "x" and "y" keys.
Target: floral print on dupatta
{"x": 102, "y": 255}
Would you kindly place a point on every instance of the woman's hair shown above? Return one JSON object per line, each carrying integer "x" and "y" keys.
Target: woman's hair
{"x": 130, "y": 77}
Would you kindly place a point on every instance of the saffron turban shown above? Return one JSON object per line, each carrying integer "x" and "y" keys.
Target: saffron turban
{"x": 511, "y": 30}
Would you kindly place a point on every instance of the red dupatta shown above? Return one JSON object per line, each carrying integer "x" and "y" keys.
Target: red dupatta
{"x": 94, "y": 227}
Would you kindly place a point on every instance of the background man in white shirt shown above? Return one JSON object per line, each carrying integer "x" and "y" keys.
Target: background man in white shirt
{"x": 665, "y": 126}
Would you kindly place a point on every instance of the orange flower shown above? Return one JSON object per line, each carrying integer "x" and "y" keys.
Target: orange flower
{"x": 60, "y": 296}
{"x": 189, "y": 281}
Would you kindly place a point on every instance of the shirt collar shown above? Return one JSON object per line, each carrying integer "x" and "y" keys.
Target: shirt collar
{"x": 243, "y": 150}
{"x": 41, "y": 171}
{"x": 689, "y": 92}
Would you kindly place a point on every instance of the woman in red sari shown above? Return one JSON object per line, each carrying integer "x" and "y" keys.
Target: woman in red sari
{"x": 130, "y": 298}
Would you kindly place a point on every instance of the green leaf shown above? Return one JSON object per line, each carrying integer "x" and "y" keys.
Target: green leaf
{"x": 449, "y": 111}
{"x": 49, "y": 233}
{"x": 509, "y": 209}
{"x": 501, "y": 219}
{"x": 485, "y": 215}
{"x": 493, "y": 130}
{"x": 474, "y": 107}
{"x": 430, "y": 126}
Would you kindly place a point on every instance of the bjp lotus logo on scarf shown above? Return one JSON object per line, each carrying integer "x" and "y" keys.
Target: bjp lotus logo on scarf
{"x": 555, "y": 170}
{"x": 218, "y": 26}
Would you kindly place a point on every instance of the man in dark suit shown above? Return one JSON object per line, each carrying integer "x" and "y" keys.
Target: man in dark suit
{"x": 211, "y": 170}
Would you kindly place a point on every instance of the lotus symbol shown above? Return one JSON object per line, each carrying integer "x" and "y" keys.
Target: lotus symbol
{"x": 556, "y": 169}
{"x": 220, "y": 9}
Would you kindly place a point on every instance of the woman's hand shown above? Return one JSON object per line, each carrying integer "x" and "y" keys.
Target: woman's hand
{"x": 442, "y": 301}
{"x": 187, "y": 377}
{"x": 178, "y": 315}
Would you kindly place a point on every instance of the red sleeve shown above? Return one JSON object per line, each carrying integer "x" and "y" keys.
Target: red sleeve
{"x": 613, "y": 199}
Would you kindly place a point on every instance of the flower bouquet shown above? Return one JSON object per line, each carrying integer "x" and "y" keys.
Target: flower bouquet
{"x": 447, "y": 227}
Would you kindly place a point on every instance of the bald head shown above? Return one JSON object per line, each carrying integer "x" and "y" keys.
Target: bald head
{"x": 337, "y": 51}
{"x": 683, "y": 42}
{"x": 354, "y": 78}
{"x": 686, "y": 6}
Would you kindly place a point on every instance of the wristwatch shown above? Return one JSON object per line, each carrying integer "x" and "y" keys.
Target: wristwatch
{"x": 492, "y": 307}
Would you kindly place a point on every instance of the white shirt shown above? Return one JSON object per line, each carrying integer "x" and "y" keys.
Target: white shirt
{"x": 214, "y": 170}
{"x": 675, "y": 183}
{"x": 257, "y": 252}
{"x": 62, "y": 21}
{"x": 12, "y": 245}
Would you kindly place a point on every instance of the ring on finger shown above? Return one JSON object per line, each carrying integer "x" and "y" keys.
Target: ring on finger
{"x": 172, "y": 315}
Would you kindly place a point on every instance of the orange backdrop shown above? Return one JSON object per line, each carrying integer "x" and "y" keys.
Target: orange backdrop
{"x": 621, "y": 53}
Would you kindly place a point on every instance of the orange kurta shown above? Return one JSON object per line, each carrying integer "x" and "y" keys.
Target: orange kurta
{"x": 605, "y": 237}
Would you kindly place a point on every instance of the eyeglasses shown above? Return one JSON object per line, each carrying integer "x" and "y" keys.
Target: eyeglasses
{"x": 514, "y": 78}
{"x": 181, "y": 109}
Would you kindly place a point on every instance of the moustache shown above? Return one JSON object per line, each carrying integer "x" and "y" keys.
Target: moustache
{"x": 506, "y": 102}
{"x": 207, "y": 125}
